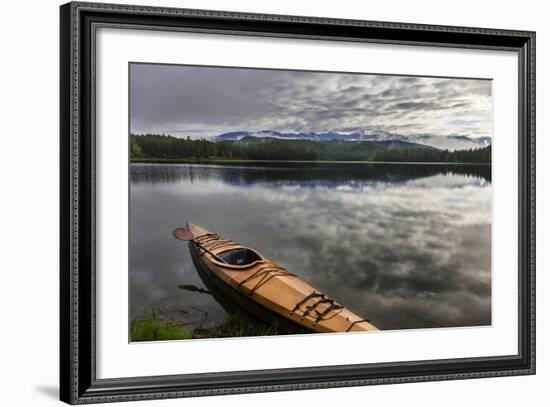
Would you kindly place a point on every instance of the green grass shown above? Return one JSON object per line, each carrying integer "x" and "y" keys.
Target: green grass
{"x": 153, "y": 330}
{"x": 237, "y": 324}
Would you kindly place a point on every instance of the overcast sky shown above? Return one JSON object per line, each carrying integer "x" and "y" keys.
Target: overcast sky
{"x": 207, "y": 101}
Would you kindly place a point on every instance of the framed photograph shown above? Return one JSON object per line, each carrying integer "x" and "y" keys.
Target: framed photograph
{"x": 256, "y": 203}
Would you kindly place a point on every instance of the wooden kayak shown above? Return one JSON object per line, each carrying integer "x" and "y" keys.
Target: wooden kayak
{"x": 238, "y": 274}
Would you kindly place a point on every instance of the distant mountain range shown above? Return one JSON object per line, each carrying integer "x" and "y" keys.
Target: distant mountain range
{"x": 440, "y": 142}
{"x": 327, "y": 143}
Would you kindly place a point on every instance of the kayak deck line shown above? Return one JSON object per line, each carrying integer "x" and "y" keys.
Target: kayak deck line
{"x": 271, "y": 286}
{"x": 266, "y": 273}
{"x": 333, "y": 305}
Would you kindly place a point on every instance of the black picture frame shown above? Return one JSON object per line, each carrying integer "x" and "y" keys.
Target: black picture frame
{"x": 78, "y": 382}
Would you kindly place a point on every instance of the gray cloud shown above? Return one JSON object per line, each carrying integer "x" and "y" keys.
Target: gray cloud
{"x": 205, "y": 101}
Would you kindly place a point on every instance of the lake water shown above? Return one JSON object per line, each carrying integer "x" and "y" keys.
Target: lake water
{"x": 407, "y": 246}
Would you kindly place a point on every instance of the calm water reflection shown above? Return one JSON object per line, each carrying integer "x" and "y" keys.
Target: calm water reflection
{"x": 407, "y": 246}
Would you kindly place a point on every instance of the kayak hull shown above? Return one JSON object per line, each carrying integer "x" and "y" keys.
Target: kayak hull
{"x": 264, "y": 288}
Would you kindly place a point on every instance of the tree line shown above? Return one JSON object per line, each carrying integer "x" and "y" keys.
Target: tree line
{"x": 151, "y": 146}
{"x": 478, "y": 155}
{"x": 161, "y": 147}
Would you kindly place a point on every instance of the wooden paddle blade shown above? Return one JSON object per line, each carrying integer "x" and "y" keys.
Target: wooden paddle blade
{"x": 183, "y": 234}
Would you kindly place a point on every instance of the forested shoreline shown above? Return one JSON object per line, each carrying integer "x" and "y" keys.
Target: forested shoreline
{"x": 151, "y": 147}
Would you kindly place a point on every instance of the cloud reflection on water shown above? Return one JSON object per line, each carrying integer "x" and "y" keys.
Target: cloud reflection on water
{"x": 406, "y": 246}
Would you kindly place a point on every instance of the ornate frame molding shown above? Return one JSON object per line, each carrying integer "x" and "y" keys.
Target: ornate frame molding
{"x": 78, "y": 380}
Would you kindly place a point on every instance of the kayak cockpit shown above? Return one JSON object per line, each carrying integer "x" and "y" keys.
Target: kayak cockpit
{"x": 241, "y": 256}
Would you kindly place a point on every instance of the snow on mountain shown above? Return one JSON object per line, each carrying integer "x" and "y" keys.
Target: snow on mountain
{"x": 454, "y": 142}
